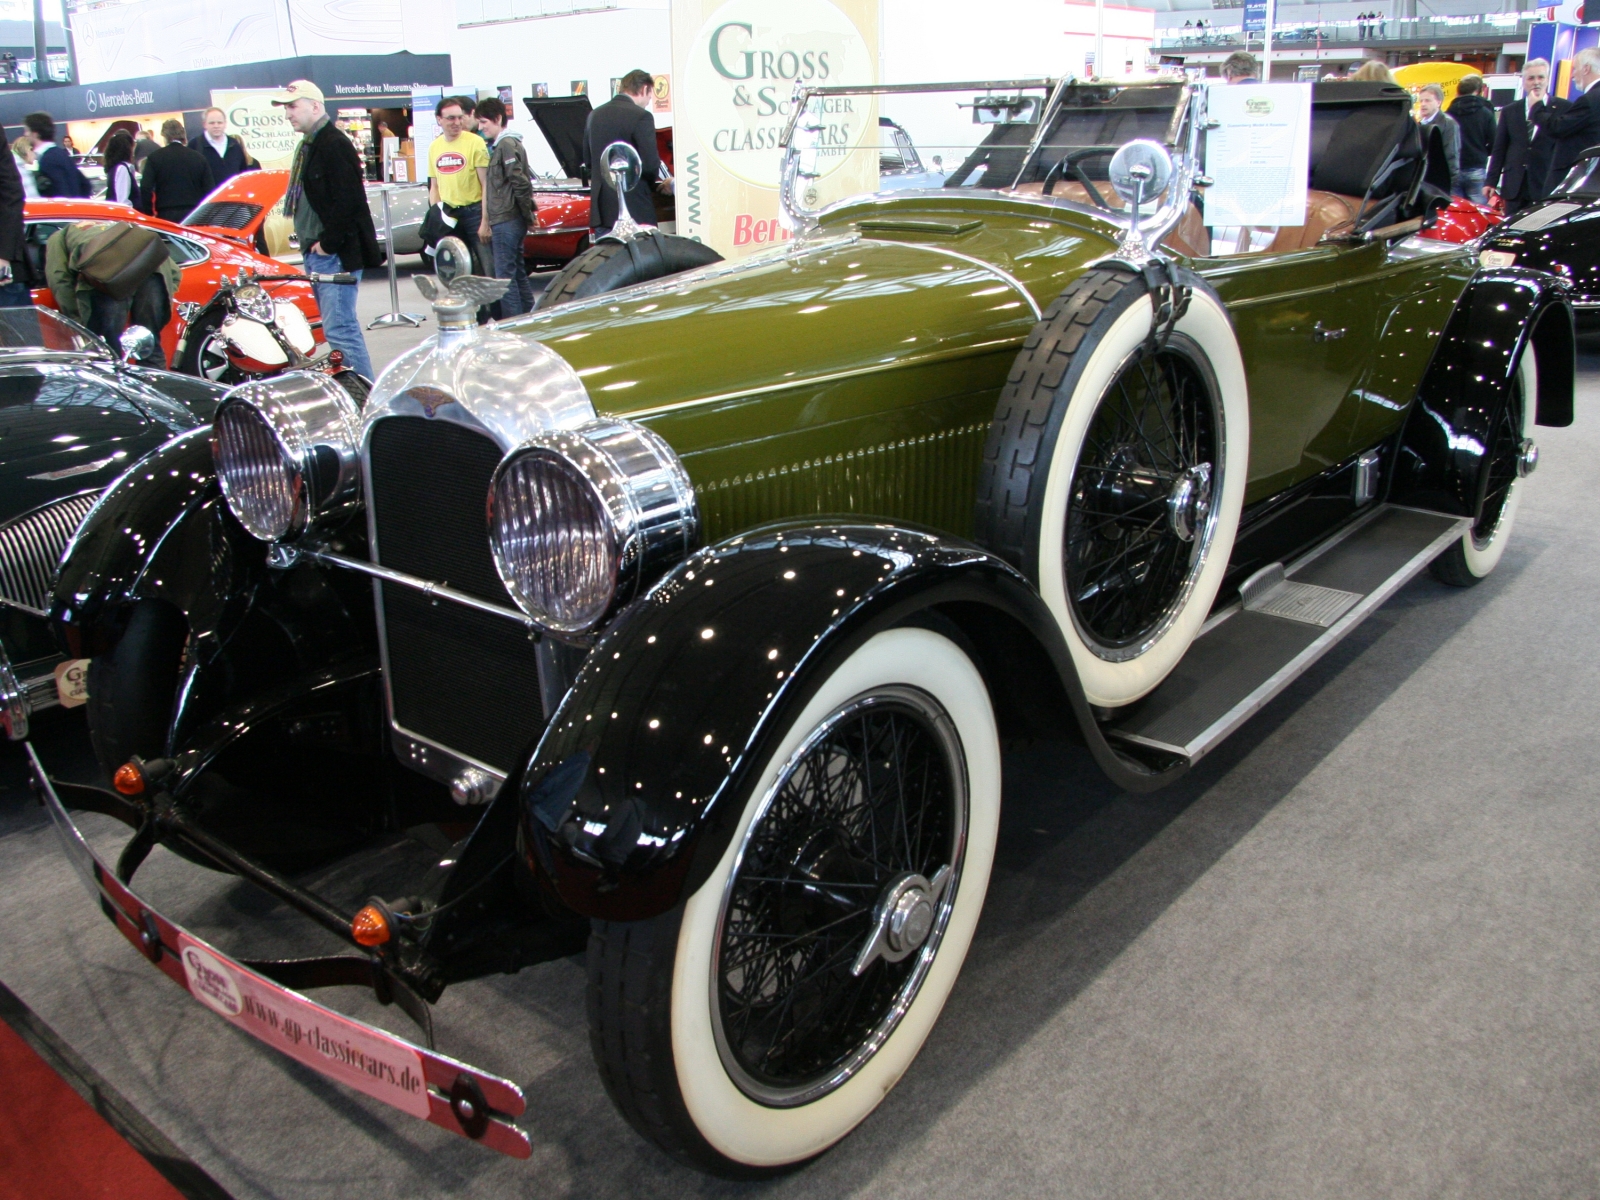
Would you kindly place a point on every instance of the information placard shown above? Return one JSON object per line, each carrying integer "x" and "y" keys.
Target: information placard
{"x": 1258, "y": 154}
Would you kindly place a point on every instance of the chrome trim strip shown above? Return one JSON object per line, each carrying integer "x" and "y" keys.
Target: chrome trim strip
{"x": 1241, "y": 712}
{"x": 428, "y": 587}
{"x": 1004, "y": 276}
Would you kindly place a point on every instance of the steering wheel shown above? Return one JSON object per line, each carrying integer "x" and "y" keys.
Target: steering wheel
{"x": 1073, "y": 162}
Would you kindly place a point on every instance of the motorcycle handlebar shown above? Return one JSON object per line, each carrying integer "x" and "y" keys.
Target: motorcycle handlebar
{"x": 339, "y": 277}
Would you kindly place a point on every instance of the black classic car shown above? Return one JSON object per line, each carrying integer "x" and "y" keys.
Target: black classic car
{"x": 1561, "y": 236}
{"x": 72, "y": 419}
{"x": 697, "y": 610}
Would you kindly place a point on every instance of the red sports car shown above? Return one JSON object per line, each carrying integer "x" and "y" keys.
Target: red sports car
{"x": 202, "y": 256}
{"x": 1464, "y": 220}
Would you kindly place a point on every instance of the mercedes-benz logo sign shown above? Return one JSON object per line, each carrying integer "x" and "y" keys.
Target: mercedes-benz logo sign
{"x": 91, "y": 101}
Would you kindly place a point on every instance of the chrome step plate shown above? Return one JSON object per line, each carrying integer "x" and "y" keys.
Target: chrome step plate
{"x": 1287, "y": 618}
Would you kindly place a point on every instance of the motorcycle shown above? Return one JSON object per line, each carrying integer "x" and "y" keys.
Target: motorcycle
{"x": 243, "y": 332}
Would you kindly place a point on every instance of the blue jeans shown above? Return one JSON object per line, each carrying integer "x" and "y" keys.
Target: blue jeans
{"x": 506, "y": 238}
{"x": 1469, "y": 183}
{"x": 340, "y": 325}
{"x": 15, "y": 294}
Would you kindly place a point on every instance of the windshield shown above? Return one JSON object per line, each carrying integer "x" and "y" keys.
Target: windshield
{"x": 1582, "y": 182}
{"x": 968, "y": 135}
{"x": 45, "y": 329}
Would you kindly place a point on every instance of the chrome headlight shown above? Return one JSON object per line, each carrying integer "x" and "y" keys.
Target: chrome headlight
{"x": 254, "y": 303}
{"x": 581, "y": 521}
{"x": 286, "y": 452}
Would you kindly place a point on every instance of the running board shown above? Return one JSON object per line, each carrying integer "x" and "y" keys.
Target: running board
{"x": 1284, "y": 621}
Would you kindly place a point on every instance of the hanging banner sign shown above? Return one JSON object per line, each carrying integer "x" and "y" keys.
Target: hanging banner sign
{"x": 265, "y": 130}
{"x": 735, "y": 66}
{"x": 1255, "y": 15}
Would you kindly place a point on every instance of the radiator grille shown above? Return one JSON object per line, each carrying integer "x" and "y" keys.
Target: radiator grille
{"x": 31, "y": 548}
{"x": 224, "y": 214}
{"x": 463, "y": 679}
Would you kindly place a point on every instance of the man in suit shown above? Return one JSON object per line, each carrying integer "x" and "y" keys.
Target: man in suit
{"x": 224, "y": 155}
{"x": 624, "y": 118}
{"x": 1578, "y": 128}
{"x": 1521, "y": 161}
{"x": 58, "y": 175}
{"x": 175, "y": 178}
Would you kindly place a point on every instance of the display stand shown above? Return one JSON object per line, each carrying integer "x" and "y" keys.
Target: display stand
{"x": 394, "y": 316}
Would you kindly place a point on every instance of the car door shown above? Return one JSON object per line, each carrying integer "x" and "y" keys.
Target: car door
{"x": 1306, "y": 322}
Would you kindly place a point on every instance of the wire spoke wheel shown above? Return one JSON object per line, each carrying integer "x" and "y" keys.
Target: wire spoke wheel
{"x": 840, "y": 897}
{"x": 1139, "y": 512}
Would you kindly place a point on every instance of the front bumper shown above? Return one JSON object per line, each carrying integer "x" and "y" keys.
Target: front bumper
{"x": 373, "y": 1061}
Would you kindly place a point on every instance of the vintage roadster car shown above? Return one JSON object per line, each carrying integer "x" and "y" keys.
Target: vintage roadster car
{"x": 72, "y": 419}
{"x": 1557, "y": 237}
{"x": 708, "y": 602}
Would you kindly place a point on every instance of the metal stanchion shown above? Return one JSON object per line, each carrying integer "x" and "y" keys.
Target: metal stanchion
{"x": 394, "y": 316}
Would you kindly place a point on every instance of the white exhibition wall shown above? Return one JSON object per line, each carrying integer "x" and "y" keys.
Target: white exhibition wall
{"x": 923, "y": 41}
{"x": 592, "y": 46}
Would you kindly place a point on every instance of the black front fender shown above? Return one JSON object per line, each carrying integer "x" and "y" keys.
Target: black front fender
{"x": 163, "y": 532}
{"x": 632, "y": 795}
{"x": 1502, "y": 315}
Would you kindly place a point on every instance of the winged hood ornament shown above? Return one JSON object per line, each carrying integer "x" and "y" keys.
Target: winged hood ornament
{"x": 455, "y": 293}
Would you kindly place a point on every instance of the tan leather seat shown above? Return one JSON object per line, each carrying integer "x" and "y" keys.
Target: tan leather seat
{"x": 1325, "y": 212}
{"x": 1190, "y": 236}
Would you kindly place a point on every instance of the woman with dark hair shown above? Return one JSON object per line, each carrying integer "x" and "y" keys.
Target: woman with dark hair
{"x": 122, "y": 185}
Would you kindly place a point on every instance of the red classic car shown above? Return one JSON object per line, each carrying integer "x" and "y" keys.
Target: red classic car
{"x": 202, "y": 256}
{"x": 1464, "y": 220}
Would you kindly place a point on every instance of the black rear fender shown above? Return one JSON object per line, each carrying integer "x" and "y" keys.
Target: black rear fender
{"x": 1501, "y": 315}
{"x": 634, "y": 790}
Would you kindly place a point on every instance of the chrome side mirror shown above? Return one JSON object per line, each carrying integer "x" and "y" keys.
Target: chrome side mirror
{"x": 137, "y": 344}
{"x": 1140, "y": 172}
{"x": 621, "y": 167}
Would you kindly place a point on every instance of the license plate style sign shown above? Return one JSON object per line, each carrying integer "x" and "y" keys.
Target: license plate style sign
{"x": 447, "y": 1093}
{"x": 382, "y": 1066}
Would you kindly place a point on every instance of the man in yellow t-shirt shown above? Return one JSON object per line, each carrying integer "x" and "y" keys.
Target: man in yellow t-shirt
{"x": 458, "y": 168}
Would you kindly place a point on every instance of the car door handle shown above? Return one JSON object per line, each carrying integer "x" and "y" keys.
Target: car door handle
{"x": 1321, "y": 334}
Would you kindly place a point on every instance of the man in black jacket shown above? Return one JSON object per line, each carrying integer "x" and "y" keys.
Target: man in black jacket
{"x": 1520, "y": 161}
{"x": 1578, "y": 128}
{"x": 224, "y": 155}
{"x": 13, "y": 262}
{"x": 57, "y": 173}
{"x": 1475, "y": 116}
{"x": 175, "y": 178}
{"x": 327, "y": 200}
{"x": 624, "y": 118}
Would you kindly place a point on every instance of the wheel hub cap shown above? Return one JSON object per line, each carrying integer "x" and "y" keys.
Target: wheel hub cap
{"x": 903, "y": 918}
{"x": 1527, "y": 458}
{"x": 1189, "y": 502}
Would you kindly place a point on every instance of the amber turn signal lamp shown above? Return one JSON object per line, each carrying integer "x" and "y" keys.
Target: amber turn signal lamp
{"x": 370, "y": 926}
{"x": 129, "y": 779}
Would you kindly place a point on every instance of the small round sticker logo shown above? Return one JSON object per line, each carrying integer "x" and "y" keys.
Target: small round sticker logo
{"x": 449, "y": 163}
{"x": 211, "y": 983}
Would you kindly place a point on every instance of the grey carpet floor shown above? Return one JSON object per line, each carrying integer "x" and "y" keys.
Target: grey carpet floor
{"x": 1356, "y": 953}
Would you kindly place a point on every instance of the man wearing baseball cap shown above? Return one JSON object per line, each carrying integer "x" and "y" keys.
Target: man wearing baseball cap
{"x": 327, "y": 200}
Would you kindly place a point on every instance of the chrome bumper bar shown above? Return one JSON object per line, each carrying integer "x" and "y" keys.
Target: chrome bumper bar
{"x": 373, "y": 1061}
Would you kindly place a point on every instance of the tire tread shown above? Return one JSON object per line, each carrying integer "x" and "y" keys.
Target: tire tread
{"x": 1009, "y": 472}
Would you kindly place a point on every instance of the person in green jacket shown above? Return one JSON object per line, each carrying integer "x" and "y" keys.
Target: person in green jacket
{"x": 102, "y": 315}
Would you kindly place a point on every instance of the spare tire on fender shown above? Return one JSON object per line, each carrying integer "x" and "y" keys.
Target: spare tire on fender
{"x": 1114, "y": 473}
{"x": 609, "y": 265}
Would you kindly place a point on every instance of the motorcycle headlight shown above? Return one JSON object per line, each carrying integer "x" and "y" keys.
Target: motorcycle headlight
{"x": 286, "y": 451}
{"x": 254, "y": 303}
{"x": 581, "y": 521}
